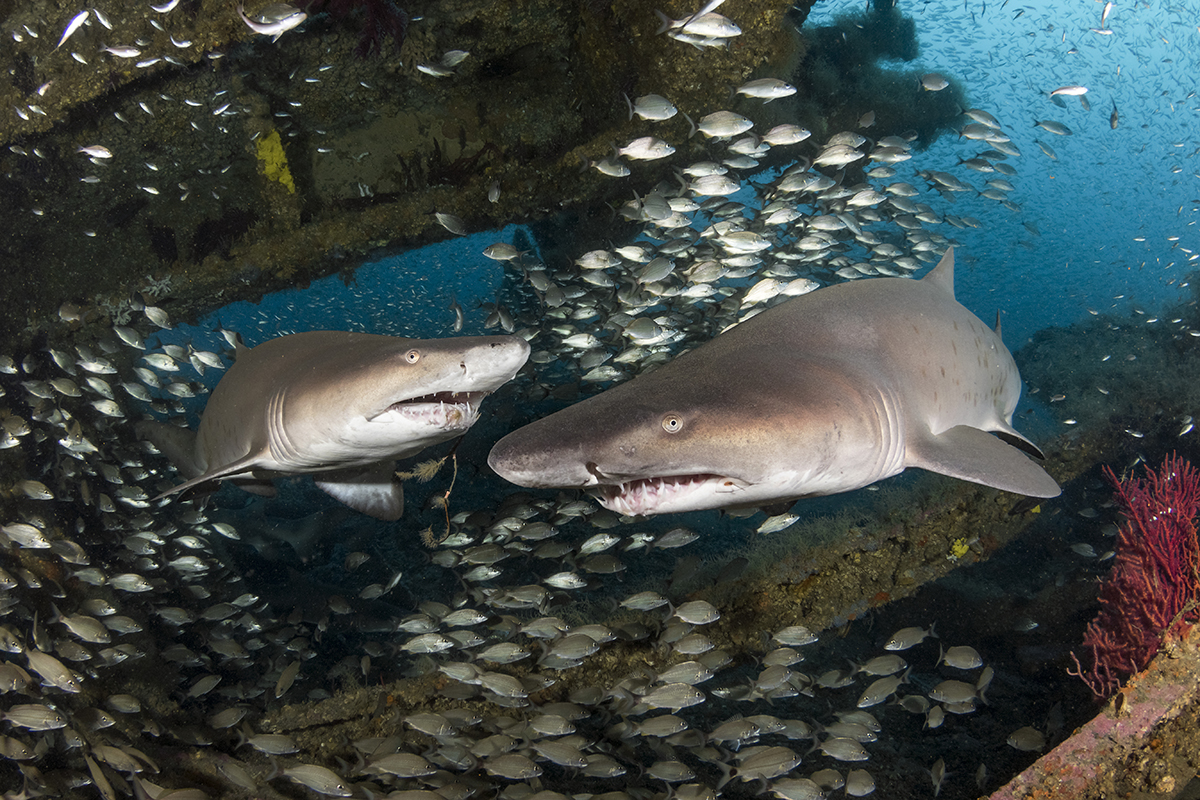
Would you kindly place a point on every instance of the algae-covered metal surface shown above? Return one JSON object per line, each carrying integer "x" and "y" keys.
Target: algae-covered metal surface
{"x": 240, "y": 165}
{"x": 1141, "y": 744}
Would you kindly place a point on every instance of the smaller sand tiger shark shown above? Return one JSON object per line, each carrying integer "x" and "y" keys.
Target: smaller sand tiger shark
{"x": 825, "y": 393}
{"x": 341, "y": 406}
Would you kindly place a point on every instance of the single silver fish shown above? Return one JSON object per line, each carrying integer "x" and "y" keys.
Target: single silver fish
{"x": 651, "y": 107}
{"x": 319, "y": 779}
{"x": 905, "y": 638}
{"x": 1057, "y": 128}
{"x": 723, "y": 124}
{"x": 75, "y": 24}
{"x": 933, "y": 82}
{"x": 274, "y": 20}
{"x": 961, "y": 657}
{"x": 646, "y": 148}
{"x": 768, "y": 89}
{"x": 451, "y": 223}
{"x": 1028, "y": 739}
{"x": 35, "y": 717}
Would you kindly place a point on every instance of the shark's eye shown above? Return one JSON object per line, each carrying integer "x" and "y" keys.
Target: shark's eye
{"x": 412, "y": 356}
{"x": 672, "y": 423}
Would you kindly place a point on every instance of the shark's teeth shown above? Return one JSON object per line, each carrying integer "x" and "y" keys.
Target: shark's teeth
{"x": 440, "y": 414}
{"x": 439, "y": 404}
{"x": 646, "y": 495}
{"x": 456, "y": 398}
{"x": 444, "y": 410}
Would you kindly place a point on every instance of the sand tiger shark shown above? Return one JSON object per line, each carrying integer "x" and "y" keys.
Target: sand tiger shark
{"x": 340, "y": 406}
{"x": 824, "y": 393}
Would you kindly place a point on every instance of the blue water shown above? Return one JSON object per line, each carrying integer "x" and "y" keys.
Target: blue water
{"x": 403, "y": 295}
{"x": 1117, "y": 211}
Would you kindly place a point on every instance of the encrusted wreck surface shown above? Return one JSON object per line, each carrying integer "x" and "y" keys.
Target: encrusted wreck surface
{"x": 249, "y": 166}
{"x": 1142, "y": 743}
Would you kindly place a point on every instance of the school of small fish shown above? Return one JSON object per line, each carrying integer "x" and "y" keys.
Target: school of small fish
{"x": 130, "y": 632}
{"x": 81, "y": 620}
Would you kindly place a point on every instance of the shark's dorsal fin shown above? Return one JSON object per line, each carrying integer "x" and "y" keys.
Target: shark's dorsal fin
{"x": 239, "y": 348}
{"x": 998, "y": 323}
{"x": 942, "y": 276}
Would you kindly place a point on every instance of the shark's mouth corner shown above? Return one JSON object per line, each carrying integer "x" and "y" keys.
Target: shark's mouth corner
{"x": 439, "y": 409}
{"x": 657, "y": 494}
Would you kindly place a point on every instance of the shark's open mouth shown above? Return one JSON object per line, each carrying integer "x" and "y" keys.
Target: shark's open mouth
{"x": 649, "y": 495}
{"x": 441, "y": 409}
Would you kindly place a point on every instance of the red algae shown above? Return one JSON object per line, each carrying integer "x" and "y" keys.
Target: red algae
{"x": 1152, "y": 590}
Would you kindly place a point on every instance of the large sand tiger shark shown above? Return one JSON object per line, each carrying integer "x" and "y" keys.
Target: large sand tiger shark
{"x": 342, "y": 406}
{"x": 824, "y": 393}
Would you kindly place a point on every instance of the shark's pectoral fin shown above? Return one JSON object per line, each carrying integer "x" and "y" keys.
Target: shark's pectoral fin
{"x": 974, "y": 455}
{"x": 179, "y": 445}
{"x": 245, "y": 464}
{"x": 1010, "y": 435}
{"x": 372, "y": 490}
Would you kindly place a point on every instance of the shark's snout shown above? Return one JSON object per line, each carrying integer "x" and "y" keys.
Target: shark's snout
{"x": 492, "y": 362}
{"x": 520, "y": 459}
